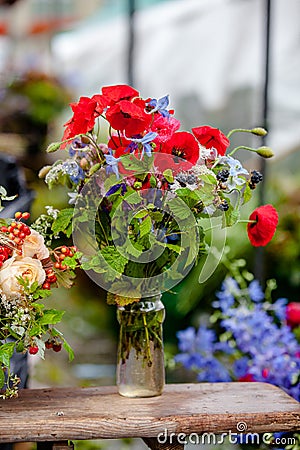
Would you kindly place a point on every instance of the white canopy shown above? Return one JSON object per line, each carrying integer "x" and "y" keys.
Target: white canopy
{"x": 208, "y": 55}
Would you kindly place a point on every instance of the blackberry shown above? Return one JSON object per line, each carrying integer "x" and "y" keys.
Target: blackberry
{"x": 182, "y": 179}
{"x": 191, "y": 179}
{"x": 223, "y": 206}
{"x": 223, "y": 175}
{"x": 256, "y": 177}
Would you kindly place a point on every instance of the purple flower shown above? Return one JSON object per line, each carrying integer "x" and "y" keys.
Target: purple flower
{"x": 115, "y": 188}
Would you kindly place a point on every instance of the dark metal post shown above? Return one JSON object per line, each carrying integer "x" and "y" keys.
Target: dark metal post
{"x": 131, "y": 39}
{"x": 259, "y": 255}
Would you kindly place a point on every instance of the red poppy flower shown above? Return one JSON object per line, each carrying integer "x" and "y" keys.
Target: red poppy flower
{"x": 119, "y": 92}
{"x": 262, "y": 230}
{"x": 102, "y": 103}
{"x": 184, "y": 150}
{"x": 128, "y": 117}
{"x": 83, "y": 120}
{"x": 119, "y": 144}
{"x": 165, "y": 127}
{"x": 212, "y": 137}
{"x": 293, "y": 314}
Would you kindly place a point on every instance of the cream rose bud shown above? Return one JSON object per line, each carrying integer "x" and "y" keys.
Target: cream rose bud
{"x": 34, "y": 246}
{"x": 27, "y": 268}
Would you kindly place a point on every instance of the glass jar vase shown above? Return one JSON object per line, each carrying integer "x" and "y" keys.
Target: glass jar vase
{"x": 140, "y": 365}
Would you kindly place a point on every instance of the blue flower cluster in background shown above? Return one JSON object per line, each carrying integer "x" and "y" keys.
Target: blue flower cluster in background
{"x": 254, "y": 344}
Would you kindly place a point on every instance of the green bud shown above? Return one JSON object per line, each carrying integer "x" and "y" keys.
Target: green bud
{"x": 258, "y": 131}
{"x": 94, "y": 168}
{"x": 44, "y": 170}
{"x": 265, "y": 152}
{"x": 53, "y": 147}
{"x": 137, "y": 185}
{"x": 153, "y": 181}
{"x": 168, "y": 174}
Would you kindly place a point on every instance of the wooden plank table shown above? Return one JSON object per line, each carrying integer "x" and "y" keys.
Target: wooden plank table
{"x": 55, "y": 415}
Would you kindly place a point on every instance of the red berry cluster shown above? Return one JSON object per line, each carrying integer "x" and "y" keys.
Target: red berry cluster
{"x": 50, "y": 278}
{"x": 17, "y": 230}
{"x": 60, "y": 254}
{"x": 5, "y": 253}
{"x": 33, "y": 349}
{"x": 55, "y": 345}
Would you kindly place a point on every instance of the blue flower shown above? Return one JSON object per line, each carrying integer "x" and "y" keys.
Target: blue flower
{"x": 160, "y": 105}
{"x": 279, "y": 308}
{"x": 146, "y": 142}
{"x": 229, "y": 290}
{"x": 240, "y": 367}
{"x": 112, "y": 164}
{"x": 74, "y": 171}
{"x": 255, "y": 291}
{"x": 73, "y": 197}
{"x": 236, "y": 171}
{"x": 198, "y": 354}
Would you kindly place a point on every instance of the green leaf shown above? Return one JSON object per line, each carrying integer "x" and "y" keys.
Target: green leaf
{"x": 130, "y": 162}
{"x": 145, "y": 226}
{"x": 157, "y": 216}
{"x": 179, "y": 209}
{"x": 153, "y": 181}
{"x": 2, "y": 378}
{"x": 247, "y": 195}
{"x": 51, "y": 316}
{"x": 6, "y": 352}
{"x": 133, "y": 198}
{"x": 231, "y": 217}
{"x": 114, "y": 258}
{"x": 72, "y": 262}
{"x": 175, "y": 248}
{"x": 36, "y": 330}
{"x": 69, "y": 350}
{"x": 63, "y": 221}
{"x": 141, "y": 214}
{"x": 20, "y": 347}
{"x": 65, "y": 278}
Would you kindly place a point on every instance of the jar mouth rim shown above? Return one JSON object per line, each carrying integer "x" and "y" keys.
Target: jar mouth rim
{"x": 145, "y": 305}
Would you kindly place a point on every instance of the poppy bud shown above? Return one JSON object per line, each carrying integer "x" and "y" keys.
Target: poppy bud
{"x": 53, "y": 147}
{"x": 259, "y": 131}
{"x": 265, "y": 152}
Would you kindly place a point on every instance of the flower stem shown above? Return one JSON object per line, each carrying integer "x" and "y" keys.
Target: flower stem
{"x": 242, "y": 147}
{"x": 148, "y": 350}
{"x": 238, "y": 130}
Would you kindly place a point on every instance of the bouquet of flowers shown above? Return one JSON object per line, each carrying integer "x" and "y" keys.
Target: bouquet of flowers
{"x": 140, "y": 189}
{"x": 29, "y": 269}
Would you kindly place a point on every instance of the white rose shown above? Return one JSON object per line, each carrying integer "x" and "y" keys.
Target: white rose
{"x": 34, "y": 246}
{"x": 27, "y": 268}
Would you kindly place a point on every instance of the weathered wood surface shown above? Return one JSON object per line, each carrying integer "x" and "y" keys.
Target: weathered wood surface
{"x": 99, "y": 413}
